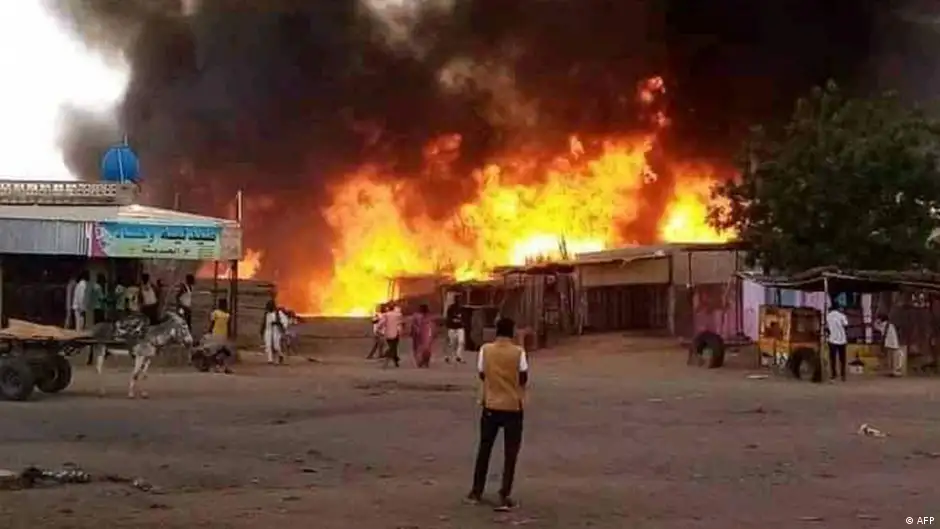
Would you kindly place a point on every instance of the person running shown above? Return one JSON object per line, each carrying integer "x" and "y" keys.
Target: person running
{"x": 422, "y": 336}
{"x": 378, "y": 339}
{"x": 504, "y": 373}
{"x": 391, "y": 326}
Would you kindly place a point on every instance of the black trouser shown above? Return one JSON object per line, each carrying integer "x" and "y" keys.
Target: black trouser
{"x": 837, "y": 352}
{"x": 392, "y": 352}
{"x": 490, "y": 423}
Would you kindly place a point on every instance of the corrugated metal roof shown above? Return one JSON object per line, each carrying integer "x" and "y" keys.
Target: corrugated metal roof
{"x": 66, "y": 229}
{"x": 44, "y": 237}
{"x": 663, "y": 249}
{"x": 131, "y": 213}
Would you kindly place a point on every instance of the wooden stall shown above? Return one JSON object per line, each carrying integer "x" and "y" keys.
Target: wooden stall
{"x": 677, "y": 289}
{"x": 482, "y": 303}
{"x": 543, "y": 300}
{"x": 250, "y": 302}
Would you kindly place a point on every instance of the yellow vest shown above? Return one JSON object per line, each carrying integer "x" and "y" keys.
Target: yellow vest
{"x": 501, "y": 390}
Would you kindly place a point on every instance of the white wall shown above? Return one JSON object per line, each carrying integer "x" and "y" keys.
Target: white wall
{"x": 754, "y": 295}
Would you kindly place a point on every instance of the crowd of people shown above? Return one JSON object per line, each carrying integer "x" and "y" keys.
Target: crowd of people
{"x": 502, "y": 366}
{"x": 91, "y": 300}
{"x": 389, "y": 325}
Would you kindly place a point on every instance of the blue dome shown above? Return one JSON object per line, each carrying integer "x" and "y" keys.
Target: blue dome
{"x": 120, "y": 164}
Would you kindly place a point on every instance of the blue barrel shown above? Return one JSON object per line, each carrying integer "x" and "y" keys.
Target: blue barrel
{"x": 120, "y": 164}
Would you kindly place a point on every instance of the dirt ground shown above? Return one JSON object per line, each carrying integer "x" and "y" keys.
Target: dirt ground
{"x": 619, "y": 433}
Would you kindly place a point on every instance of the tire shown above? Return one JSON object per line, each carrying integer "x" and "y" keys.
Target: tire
{"x": 707, "y": 349}
{"x": 201, "y": 362}
{"x": 16, "y": 379}
{"x": 54, "y": 375}
{"x": 804, "y": 362}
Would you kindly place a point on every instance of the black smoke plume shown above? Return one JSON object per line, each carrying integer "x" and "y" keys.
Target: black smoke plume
{"x": 278, "y": 97}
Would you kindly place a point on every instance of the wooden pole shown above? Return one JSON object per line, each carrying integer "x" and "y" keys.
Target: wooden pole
{"x": 233, "y": 275}
{"x": 823, "y": 360}
{"x": 215, "y": 285}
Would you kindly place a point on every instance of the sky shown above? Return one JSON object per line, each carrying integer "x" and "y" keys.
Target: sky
{"x": 45, "y": 70}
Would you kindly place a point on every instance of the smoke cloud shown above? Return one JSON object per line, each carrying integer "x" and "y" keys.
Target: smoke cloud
{"x": 279, "y": 97}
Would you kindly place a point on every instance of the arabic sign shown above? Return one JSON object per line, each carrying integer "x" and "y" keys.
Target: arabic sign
{"x": 156, "y": 241}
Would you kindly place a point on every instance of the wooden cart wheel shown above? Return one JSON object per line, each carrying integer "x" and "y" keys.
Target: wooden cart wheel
{"x": 54, "y": 375}
{"x": 16, "y": 379}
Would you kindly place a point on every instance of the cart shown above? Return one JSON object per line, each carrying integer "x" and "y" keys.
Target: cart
{"x": 36, "y": 357}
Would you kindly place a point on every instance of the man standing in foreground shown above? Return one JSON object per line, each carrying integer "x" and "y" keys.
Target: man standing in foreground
{"x": 504, "y": 373}
{"x": 836, "y": 322}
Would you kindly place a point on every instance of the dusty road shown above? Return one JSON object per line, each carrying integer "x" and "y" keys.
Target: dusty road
{"x": 619, "y": 433}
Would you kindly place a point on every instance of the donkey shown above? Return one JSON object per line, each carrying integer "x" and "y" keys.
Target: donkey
{"x": 143, "y": 341}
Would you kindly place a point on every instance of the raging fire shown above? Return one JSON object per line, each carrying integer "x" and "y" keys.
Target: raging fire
{"x": 248, "y": 267}
{"x": 523, "y": 208}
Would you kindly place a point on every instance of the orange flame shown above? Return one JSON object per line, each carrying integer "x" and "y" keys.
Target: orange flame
{"x": 522, "y": 210}
{"x": 247, "y": 268}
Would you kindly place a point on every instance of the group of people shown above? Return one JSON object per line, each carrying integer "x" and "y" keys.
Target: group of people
{"x": 837, "y": 324}
{"x": 389, "y": 325}
{"x": 91, "y": 301}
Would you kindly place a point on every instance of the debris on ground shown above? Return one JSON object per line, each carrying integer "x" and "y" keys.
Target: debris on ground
{"x": 386, "y": 386}
{"x": 8, "y": 479}
{"x": 869, "y": 431}
{"x": 757, "y": 377}
{"x": 811, "y": 518}
{"x": 928, "y": 455}
{"x": 34, "y": 477}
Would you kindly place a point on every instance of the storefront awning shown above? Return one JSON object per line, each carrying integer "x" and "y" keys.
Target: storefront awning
{"x": 123, "y": 231}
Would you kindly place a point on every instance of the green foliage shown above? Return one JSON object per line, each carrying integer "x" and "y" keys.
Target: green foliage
{"x": 847, "y": 182}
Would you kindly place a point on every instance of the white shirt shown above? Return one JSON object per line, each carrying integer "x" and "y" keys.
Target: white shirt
{"x": 890, "y": 334}
{"x": 390, "y": 324}
{"x": 186, "y": 297}
{"x": 274, "y": 322}
{"x": 836, "y": 322}
{"x": 78, "y": 295}
{"x": 523, "y": 361}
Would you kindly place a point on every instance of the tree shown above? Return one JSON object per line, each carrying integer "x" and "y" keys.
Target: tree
{"x": 849, "y": 182}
